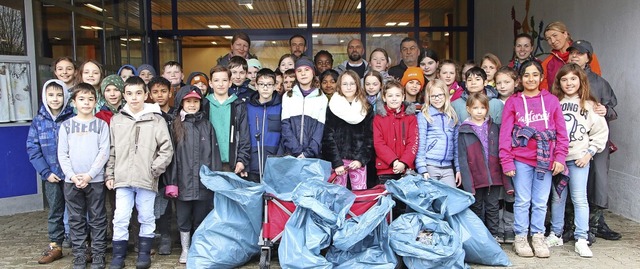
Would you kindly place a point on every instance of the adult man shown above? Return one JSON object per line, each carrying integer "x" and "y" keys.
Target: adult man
{"x": 410, "y": 51}
{"x": 298, "y": 45}
{"x": 356, "y": 62}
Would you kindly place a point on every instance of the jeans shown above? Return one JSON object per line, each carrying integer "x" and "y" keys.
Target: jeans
{"x": 578, "y": 190}
{"x": 531, "y": 194}
{"x": 81, "y": 202}
{"x": 126, "y": 198}
{"x": 445, "y": 175}
{"x": 55, "y": 221}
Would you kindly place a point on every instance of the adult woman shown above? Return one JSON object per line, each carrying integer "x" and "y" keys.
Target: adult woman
{"x": 240, "y": 44}
{"x": 559, "y": 39}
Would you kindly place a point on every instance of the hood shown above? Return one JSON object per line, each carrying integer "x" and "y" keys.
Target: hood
{"x": 147, "y": 109}
{"x": 276, "y": 99}
{"x": 381, "y": 108}
{"x": 65, "y": 91}
{"x": 135, "y": 71}
{"x": 177, "y": 101}
{"x": 467, "y": 126}
{"x": 193, "y": 74}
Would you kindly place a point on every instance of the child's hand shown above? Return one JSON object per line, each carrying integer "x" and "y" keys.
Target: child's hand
{"x": 558, "y": 167}
{"x": 355, "y": 165}
{"x": 171, "y": 191}
{"x": 582, "y": 162}
{"x": 458, "y": 179}
{"x": 53, "y": 178}
{"x": 340, "y": 170}
{"x": 600, "y": 110}
{"x": 239, "y": 170}
{"x": 510, "y": 192}
{"x": 425, "y": 175}
{"x": 109, "y": 183}
{"x": 398, "y": 167}
{"x": 79, "y": 182}
{"x": 301, "y": 156}
{"x": 510, "y": 173}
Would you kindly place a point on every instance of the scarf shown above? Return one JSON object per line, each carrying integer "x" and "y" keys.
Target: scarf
{"x": 349, "y": 112}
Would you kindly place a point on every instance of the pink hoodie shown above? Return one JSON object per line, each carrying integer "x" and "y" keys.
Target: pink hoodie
{"x": 541, "y": 112}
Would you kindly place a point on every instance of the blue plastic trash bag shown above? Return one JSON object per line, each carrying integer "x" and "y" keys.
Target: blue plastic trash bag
{"x": 363, "y": 241}
{"x": 430, "y": 197}
{"x": 320, "y": 208}
{"x": 283, "y": 174}
{"x": 228, "y": 236}
{"x": 479, "y": 245}
{"x": 424, "y": 242}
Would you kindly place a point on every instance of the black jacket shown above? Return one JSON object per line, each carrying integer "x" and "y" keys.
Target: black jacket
{"x": 342, "y": 140}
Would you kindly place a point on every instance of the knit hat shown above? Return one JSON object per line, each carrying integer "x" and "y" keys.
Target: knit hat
{"x": 305, "y": 61}
{"x": 412, "y": 73}
{"x": 199, "y": 78}
{"x": 114, "y": 80}
{"x": 147, "y": 67}
{"x": 255, "y": 63}
{"x": 582, "y": 46}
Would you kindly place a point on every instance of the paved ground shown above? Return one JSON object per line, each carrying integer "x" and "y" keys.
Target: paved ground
{"x": 23, "y": 236}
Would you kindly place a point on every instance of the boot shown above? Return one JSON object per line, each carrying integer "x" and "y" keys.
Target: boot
{"x": 119, "y": 254}
{"x": 165, "y": 245}
{"x": 603, "y": 231}
{"x": 521, "y": 246}
{"x": 540, "y": 246}
{"x": 144, "y": 255}
{"x": 185, "y": 240}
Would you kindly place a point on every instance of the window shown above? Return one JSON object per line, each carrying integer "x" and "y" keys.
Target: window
{"x": 12, "y": 28}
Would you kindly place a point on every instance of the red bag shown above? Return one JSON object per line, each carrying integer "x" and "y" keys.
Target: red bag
{"x": 612, "y": 147}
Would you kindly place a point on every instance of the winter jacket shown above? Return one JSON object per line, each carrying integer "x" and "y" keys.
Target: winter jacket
{"x": 552, "y": 64}
{"x": 42, "y": 140}
{"x": 265, "y": 126}
{"x": 395, "y": 137}
{"x": 438, "y": 141}
{"x": 344, "y": 67}
{"x": 586, "y": 129}
{"x": 243, "y": 91}
{"x": 478, "y": 172}
{"x": 603, "y": 93}
{"x": 198, "y": 147}
{"x": 239, "y": 143}
{"x": 495, "y": 105}
{"x": 303, "y": 120}
{"x": 397, "y": 71}
{"x": 528, "y": 111}
{"x": 348, "y": 132}
{"x": 141, "y": 148}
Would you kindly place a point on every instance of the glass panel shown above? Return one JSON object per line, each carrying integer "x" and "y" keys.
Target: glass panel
{"x": 54, "y": 30}
{"x": 448, "y": 45}
{"x": 381, "y": 13}
{"x": 161, "y": 14}
{"x": 388, "y": 41}
{"x": 15, "y": 92}
{"x": 117, "y": 10}
{"x": 167, "y": 52}
{"x": 443, "y": 13}
{"x": 264, "y": 14}
{"x": 135, "y": 50}
{"x": 336, "y": 44}
{"x": 336, "y": 14}
{"x": 134, "y": 15}
{"x": 113, "y": 51}
{"x": 88, "y": 39}
{"x": 12, "y": 28}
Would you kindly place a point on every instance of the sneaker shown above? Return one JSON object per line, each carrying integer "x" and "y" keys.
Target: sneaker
{"x": 499, "y": 238}
{"x": 66, "y": 243}
{"x": 51, "y": 253}
{"x": 509, "y": 237}
{"x": 540, "y": 246}
{"x": 591, "y": 238}
{"x": 582, "y": 248}
{"x": 79, "y": 262}
{"x": 554, "y": 240}
{"x": 521, "y": 246}
{"x": 87, "y": 253}
{"x": 98, "y": 262}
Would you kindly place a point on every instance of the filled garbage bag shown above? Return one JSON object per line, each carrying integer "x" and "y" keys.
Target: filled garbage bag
{"x": 228, "y": 236}
{"x": 320, "y": 208}
{"x": 429, "y": 197}
{"x": 283, "y": 174}
{"x": 424, "y": 242}
{"x": 363, "y": 241}
{"x": 479, "y": 245}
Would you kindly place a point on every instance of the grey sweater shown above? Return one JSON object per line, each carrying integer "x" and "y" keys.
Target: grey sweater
{"x": 83, "y": 147}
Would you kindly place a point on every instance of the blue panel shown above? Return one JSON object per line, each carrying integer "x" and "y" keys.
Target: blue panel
{"x": 17, "y": 176}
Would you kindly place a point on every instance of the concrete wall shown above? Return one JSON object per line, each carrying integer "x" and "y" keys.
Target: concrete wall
{"x": 611, "y": 27}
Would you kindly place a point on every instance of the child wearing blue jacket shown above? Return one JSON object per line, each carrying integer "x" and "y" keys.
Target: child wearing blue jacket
{"x": 42, "y": 147}
{"x": 438, "y": 136}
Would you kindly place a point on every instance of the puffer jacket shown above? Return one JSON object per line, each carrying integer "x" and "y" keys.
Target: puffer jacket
{"x": 42, "y": 140}
{"x": 141, "y": 149}
{"x": 438, "y": 141}
{"x": 265, "y": 124}
{"x": 198, "y": 147}
{"x": 303, "y": 121}
{"x": 395, "y": 137}
{"x": 343, "y": 140}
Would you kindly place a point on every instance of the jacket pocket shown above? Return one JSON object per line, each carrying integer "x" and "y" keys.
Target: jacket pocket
{"x": 432, "y": 144}
{"x": 274, "y": 123}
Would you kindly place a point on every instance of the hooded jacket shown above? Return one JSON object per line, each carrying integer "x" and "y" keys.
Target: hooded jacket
{"x": 141, "y": 148}
{"x": 303, "y": 120}
{"x": 395, "y": 136}
{"x": 346, "y": 136}
{"x": 191, "y": 76}
{"x": 135, "y": 71}
{"x": 198, "y": 147}
{"x": 552, "y": 64}
{"x": 478, "y": 172}
{"x": 42, "y": 140}
{"x": 239, "y": 143}
{"x": 243, "y": 91}
{"x": 438, "y": 141}
{"x": 603, "y": 93}
{"x": 495, "y": 105}
{"x": 264, "y": 126}
{"x": 541, "y": 112}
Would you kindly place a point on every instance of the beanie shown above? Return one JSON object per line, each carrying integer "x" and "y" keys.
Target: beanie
{"x": 114, "y": 80}
{"x": 255, "y": 63}
{"x": 147, "y": 67}
{"x": 305, "y": 61}
{"x": 199, "y": 78}
{"x": 412, "y": 73}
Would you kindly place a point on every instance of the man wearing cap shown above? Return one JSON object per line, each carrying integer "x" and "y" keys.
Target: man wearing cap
{"x": 581, "y": 53}
{"x": 356, "y": 61}
{"x": 410, "y": 51}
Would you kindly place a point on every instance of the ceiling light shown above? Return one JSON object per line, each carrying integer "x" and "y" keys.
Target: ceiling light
{"x": 96, "y": 27}
{"x": 359, "y": 5}
{"x": 341, "y": 40}
{"x": 123, "y": 45}
{"x": 213, "y": 26}
{"x": 273, "y": 42}
{"x": 304, "y": 25}
{"x": 446, "y": 33}
{"x": 249, "y": 6}
{"x": 135, "y": 39}
{"x": 213, "y": 42}
{"x": 124, "y": 39}
{"x": 376, "y": 35}
{"x": 159, "y": 38}
{"x": 228, "y": 37}
{"x": 385, "y": 35}
{"x": 390, "y": 24}
{"x": 314, "y": 36}
{"x": 94, "y": 7}
{"x": 403, "y": 23}
{"x": 57, "y": 38}
{"x": 225, "y": 26}
{"x": 315, "y": 25}
{"x": 85, "y": 27}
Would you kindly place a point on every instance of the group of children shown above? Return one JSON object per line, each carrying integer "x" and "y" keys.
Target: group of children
{"x": 499, "y": 134}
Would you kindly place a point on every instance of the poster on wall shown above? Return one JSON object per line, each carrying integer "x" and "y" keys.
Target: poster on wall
{"x": 15, "y": 92}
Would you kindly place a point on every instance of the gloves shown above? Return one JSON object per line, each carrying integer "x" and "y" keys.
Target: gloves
{"x": 171, "y": 191}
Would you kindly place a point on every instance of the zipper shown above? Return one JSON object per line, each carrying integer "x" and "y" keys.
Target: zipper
{"x": 302, "y": 121}
{"x": 404, "y": 142}
{"x": 136, "y": 138}
{"x": 446, "y": 148}
{"x": 262, "y": 132}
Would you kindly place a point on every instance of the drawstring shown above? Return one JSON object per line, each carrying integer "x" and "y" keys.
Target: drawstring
{"x": 527, "y": 119}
